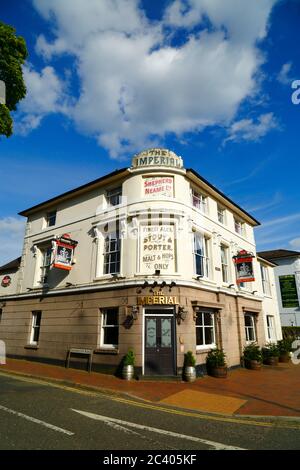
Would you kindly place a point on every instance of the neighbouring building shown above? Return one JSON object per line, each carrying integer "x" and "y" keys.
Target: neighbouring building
{"x": 146, "y": 257}
{"x": 287, "y": 275}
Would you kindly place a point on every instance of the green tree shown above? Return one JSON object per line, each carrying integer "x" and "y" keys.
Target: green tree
{"x": 13, "y": 53}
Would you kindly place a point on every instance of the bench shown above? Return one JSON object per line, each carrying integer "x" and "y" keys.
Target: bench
{"x": 85, "y": 352}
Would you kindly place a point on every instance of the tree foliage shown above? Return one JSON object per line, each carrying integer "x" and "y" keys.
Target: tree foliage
{"x": 13, "y": 53}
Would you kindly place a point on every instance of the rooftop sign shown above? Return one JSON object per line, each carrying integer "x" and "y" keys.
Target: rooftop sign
{"x": 157, "y": 157}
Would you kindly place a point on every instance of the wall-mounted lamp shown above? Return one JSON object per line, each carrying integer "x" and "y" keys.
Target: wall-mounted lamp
{"x": 132, "y": 313}
{"x": 163, "y": 284}
{"x": 231, "y": 285}
{"x": 173, "y": 284}
{"x": 254, "y": 291}
{"x": 199, "y": 277}
{"x": 181, "y": 314}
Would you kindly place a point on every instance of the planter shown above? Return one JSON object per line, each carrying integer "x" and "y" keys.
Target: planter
{"x": 189, "y": 374}
{"x": 252, "y": 364}
{"x": 286, "y": 357}
{"x": 271, "y": 361}
{"x": 219, "y": 372}
{"x": 128, "y": 372}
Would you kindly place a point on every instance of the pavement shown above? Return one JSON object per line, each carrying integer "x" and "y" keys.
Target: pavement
{"x": 271, "y": 391}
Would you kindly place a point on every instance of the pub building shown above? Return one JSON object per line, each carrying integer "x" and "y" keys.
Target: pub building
{"x": 151, "y": 257}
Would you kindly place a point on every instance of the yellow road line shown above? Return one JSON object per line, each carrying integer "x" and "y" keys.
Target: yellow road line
{"x": 209, "y": 417}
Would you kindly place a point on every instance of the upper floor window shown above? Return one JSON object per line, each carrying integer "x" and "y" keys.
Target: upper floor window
{"x": 221, "y": 215}
{"x": 112, "y": 253}
{"x": 50, "y": 218}
{"x": 35, "y": 327}
{"x": 114, "y": 196}
{"x": 265, "y": 280}
{"x": 239, "y": 227}
{"x": 271, "y": 328}
{"x": 201, "y": 255}
{"x": 199, "y": 201}
{"x": 224, "y": 262}
{"x": 45, "y": 265}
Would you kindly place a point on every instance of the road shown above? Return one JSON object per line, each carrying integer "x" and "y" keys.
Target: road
{"x": 40, "y": 415}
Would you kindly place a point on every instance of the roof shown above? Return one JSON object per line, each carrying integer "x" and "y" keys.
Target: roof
{"x": 276, "y": 254}
{"x": 254, "y": 221}
{"x": 79, "y": 189}
{"x": 11, "y": 266}
{"x": 267, "y": 261}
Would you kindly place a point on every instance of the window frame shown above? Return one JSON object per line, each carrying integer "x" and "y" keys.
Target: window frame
{"x": 49, "y": 217}
{"x": 108, "y": 252}
{"x": 249, "y": 328}
{"x": 114, "y": 193}
{"x": 212, "y": 314}
{"x": 271, "y": 327}
{"x": 46, "y": 261}
{"x": 265, "y": 280}
{"x": 221, "y": 214}
{"x": 204, "y": 258}
{"x": 239, "y": 223}
{"x": 36, "y": 314}
{"x": 104, "y": 325}
{"x": 201, "y": 201}
{"x": 225, "y": 266}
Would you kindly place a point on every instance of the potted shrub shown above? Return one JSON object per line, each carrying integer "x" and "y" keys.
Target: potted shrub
{"x": 252, "y": 356}
{"x": 285, "y": 347}
{"x": 270, "y": 354}
{"x": 216, "y": 364}
{"x": 189, "y": 369}
{"x": 128, "y": 365}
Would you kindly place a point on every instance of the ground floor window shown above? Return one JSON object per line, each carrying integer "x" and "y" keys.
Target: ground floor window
{"x": 250, "y": 327}
{"x": 109, "y": 336}
{"x": 205, "y": 329}
{"x": 35, "y": 327}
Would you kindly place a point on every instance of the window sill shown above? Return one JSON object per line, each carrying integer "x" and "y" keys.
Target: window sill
{"x": 31, "y": 346}
{"x": 112, "y": 351}
{"x": 205, "y": 350}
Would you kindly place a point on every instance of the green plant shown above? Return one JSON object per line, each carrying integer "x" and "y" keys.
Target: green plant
{"x": 252, "y": 352}
{"x": 215, "y": 358}
{"x": 189, "y": 359}
{"x": 285, "y": 345}
{"x": 270, "y": 350}
{"x": 129, "y": 358}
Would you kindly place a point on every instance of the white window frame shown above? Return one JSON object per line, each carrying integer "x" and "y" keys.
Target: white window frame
{"x": 199, "y": 201}
{"x": 250, "y": 328}
{"x": 46, "y": 259}
{"x": 224, "y": 263}
{"x": 203, "y": 327}
{"x": 49, "y": 216}
{"x": 107, "y": 241}
{"x": 114, "y": 193}
{"x": 239, "y": 227}
{"x": 266, "y": 286}
{"x": 271, "y": 328}
{"x": 221, "y": 215}
{"x": 205, "y": 260}
{"x": 103, "y": 316}
{"x": 35, "y": 327}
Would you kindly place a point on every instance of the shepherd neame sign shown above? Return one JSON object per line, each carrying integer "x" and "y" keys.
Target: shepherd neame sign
{"x": 157, "y": 157}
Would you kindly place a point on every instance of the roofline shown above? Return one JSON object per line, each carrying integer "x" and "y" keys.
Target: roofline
{"x": 294, "y": 255}
{"x": 32, "y": 209}
{"x": 249, "y": 216}
{"x": 260, "y": 258}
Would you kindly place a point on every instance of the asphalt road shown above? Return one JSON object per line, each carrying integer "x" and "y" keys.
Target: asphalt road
{"x": 40, "y": 415}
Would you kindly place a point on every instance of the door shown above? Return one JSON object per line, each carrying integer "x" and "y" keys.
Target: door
{"x": 159, "y": 344}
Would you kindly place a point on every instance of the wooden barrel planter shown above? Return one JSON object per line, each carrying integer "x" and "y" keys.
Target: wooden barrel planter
{"x": 285, "y": 357}
{"x": 271, "y": 361}
{"x": 252, "y": 364}
{"x": 219, "y": 372}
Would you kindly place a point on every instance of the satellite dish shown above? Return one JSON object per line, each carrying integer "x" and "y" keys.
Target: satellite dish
{"x": 2, "y": 92}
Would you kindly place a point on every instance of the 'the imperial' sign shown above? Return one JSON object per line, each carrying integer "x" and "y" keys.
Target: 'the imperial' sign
{"x": 157, "y": 157}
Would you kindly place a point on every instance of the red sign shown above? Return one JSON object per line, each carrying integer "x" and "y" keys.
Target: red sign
{"x": 244, "y": 267}
{"x": 64, "y": 251}
{"x": 6, "y": 281}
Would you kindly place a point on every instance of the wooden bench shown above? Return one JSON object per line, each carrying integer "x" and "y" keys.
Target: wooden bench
{"x": 85, "y": 352}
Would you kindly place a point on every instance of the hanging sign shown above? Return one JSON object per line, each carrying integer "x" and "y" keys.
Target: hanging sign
{"x": 6, "y": 281}
{"x": 244, "y": 266}
{"x": 64, "y": 252}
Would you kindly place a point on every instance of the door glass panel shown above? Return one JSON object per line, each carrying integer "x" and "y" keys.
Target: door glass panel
{"x": 166, "y": 337}
{"x": 151, "y": 333}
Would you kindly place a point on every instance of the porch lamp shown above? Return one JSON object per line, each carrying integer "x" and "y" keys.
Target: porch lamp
{"x": 181, "y": 314}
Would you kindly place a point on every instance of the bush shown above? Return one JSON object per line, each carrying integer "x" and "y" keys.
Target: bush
{"x": 129, "y": 358}
{"x": 291, "y": 332}
{"x": 189, "y": 359}
{"x": 270, "y": 350}
{"x": 252, "y": 352}
{"x": 285, "y": 345}
{"x": 215, "y": 358}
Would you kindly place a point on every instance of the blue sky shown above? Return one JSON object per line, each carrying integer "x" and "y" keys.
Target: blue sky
{"x": 209, "y": 79}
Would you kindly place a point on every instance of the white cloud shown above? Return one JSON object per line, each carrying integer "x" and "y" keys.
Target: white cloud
{"x": 11, "y": 238}
{"x": 249, "y": 130}
{"x": 45, "y": 94}
{"x": 283, "y": 76}
{"x": 295, "y": 243}
{"x": 135, "y": 86}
